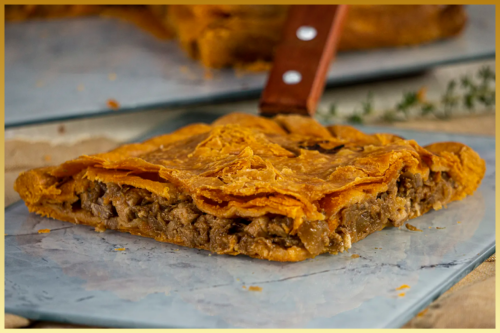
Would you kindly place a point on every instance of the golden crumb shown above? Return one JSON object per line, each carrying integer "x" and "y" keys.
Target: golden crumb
{"x": 440, "y": 227}
{"x": 411, "y": 227}
{"x": 47, "y": 158}
{"x": 208, "y": 75}
{"x": 422, "y": 313}
{"x": 244, "y": 287}
{"x": 421, "y": 94}
{"x": 184, "y": 69}
{"x": 459, "y": 222}
{"x": 210, "y": 254}
{"x": 80, "y": 87}
{"x": 238, "y": 73}
{"x": 430, "y": 227}
{"x": 120, "y": 249}
{"x": 112, "y": 76}
{"x": 402, "y": 294}
{"x": 256, "y": 66}
{"x": 43, "y": 231}
{"x": 437, "y": 205}
{"x": 355, "y": 256}
{"x": 255, "y": 288}
{"x": 61, "y": 129}
{"x": 100, "y": 228}
{"x": 403, "y": 286}
{"x": 113, "y": 104}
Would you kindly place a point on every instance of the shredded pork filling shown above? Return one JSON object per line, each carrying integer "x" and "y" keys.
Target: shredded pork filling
{"x": 139, "y": 211}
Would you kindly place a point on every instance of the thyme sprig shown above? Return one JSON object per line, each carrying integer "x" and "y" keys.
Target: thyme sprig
{"x": 468, "y": 92}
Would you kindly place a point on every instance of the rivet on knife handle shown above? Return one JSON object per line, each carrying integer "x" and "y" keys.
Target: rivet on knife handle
{"x": 302, "y": 59}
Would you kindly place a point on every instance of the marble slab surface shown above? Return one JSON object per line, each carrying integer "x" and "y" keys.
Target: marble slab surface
{"x": 74, "y": 274}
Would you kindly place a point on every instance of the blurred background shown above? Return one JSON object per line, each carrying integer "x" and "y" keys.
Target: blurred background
{"x": 83, "y": 79}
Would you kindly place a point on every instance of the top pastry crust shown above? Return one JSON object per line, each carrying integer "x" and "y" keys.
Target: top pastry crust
{"x": 244, "y": 166}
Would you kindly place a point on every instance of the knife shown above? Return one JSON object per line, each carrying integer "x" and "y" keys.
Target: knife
{"x": 309, "y": 43}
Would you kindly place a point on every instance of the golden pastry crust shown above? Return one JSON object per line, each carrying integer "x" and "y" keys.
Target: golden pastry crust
{"x": 221, "y": 35}
{"x": 246, "y": 169}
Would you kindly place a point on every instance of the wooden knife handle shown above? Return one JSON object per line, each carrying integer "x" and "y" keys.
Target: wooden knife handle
{"x": 301, "y": 61}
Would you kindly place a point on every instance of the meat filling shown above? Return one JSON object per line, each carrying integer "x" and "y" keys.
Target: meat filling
{"x": 139, "y": 211}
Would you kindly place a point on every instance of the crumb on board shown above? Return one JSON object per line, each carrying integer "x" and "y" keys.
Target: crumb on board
{"x": 355, "y": 256}
{"x": 208, "y": 74}
{"x": 440, "y": 227}
{"x": 421, "y": 94}
{"x": 412, "y": 228}
{"x": 40, "y": 83}
{"x": 430, "y": 227}
{"x": 238, "y": 73}
{"x": 80, "y": 87}
{"x": 422, "y": 313}
{"x": 47, "y": 158}
{"x": 120, "y": 249}
{"x": 112, "y": 76}
{"x": 43, "y": 231}
{"x": 61, "y": 129}
{"x": 403, "y": 286}
{"x": 437, "y": 205}
{"x": 459, "y": 222}
{"x": 244, "y": 287}
{"x": 401, "y": 294}
{"x": 100, "y": 228}
{"x": 255, "y": 67}
{"x": 176, "y": 249}
{"x": 242, "y": 69}
{"x": 255, "y": 288}
{"x": 184, "y": 69}
{"x": 210, "y": 254}
{"x": 113, "y": 104}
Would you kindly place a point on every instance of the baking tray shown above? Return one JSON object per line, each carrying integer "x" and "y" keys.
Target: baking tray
{"x": 47, "y": 63}
{"x": 74, "y": 275}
